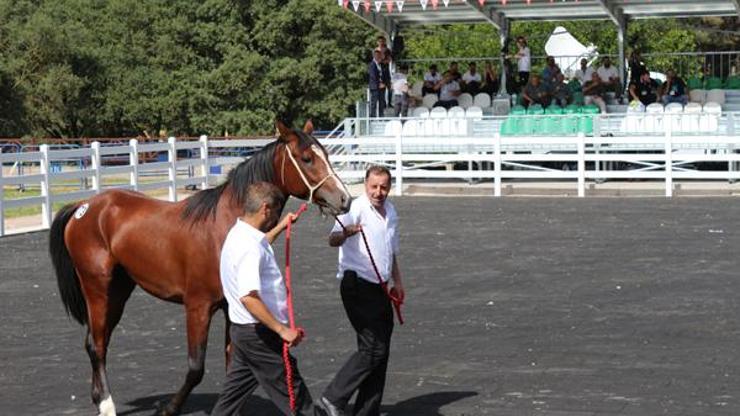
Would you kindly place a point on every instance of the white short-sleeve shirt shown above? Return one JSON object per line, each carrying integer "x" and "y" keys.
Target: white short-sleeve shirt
{"x": 524, "y": 63}
{"x": 382, "y": 236}
{"x": 433, "y": 78}
{"x": 607, "y": 73}
{"x": 468, "y": 77}
{"x": 400, "y": 83}
{"x": 248, "y": 264}
{"x": 584, "y": 76}
{"x": 445, "y": 93}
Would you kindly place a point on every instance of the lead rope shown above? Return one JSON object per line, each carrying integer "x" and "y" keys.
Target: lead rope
{"x": 396, "y": 301}
{"x": 291, "y": 317}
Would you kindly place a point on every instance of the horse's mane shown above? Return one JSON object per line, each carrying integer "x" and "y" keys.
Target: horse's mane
{"x": 258, "y": 168}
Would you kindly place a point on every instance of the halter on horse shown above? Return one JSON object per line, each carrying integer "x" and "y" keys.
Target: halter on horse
{"x": 104, "y": 247}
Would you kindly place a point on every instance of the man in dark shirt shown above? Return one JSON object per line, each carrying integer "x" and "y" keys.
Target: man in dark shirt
{"x": 536, "y": 92}
{"x": 674, "y": 90}
{"x": 644, "y": 90}
{"x": 376, "y": 85}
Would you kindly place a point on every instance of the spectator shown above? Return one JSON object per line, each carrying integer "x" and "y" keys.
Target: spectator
{"x": 376, "y": 85}
{"x": 645, "y": 90}
{"x": 550, "y": 73}
{"x": 583, "y": 74}
{"x": 454, "y": 71}
{"x": 637, "y": 67}
{"x": 593, "y": 92}
{"x": 674, "y": 89}
{"x": 524, "y": 61}
{"x": 491, "y": 82}
{"x": 471, "y": 80}
{"x": 535, "y": 92}
{"x": 609, "y": 76}
{"x": 400, "y": 86}
{"x": 386, "y": 66}
{"x": 449, "y": 90}
{"x": 560, "y": 92}
{"x": 431, "y": 79}
{"x": 383, "y": 48}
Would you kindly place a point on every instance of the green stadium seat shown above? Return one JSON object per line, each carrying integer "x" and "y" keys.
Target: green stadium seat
{"x": 554, "y": 109}
{"x": 518, "y": 110}
{"x": 590, "y": 109}
{"x": 551, "y": 126}
{"x": 695, "y": 83}
{"x": 586, "y": 124}
{"x": 713, "y": 83}
{"x": 535, "y": 109}
{"x": 569, "y": 124}
{"x": 510, "y": 126}
{"x": 572, "y": 109}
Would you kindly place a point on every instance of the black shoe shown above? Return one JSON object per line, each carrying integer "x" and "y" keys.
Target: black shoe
{"x": 329, "y": 407}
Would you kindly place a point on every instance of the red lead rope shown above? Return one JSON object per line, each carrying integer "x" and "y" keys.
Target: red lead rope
{"x": 392, "y": 295}
{"x": 291, "y": 317}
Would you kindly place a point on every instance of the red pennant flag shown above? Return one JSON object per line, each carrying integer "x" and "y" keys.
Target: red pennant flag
{"x": 434, "y": 4}
{"x": 345, "y": 3}
{"x": 389, "y": 6}
{"x": 367, "y": 6}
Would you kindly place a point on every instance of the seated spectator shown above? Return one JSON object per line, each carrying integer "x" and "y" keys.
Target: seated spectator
{"x": 491, "y": 83}
{"x": 550, "y": 73}
{"x": 535, "y": 92}
{"x": 645, "y": 90}
{"x": 583, "y": 74}
{"x": 449, "y": 90}
{"x": 561, "y": 94}
{"x": 431, "y": 79}
{"x": 454, "y": 71}
{"x": 593, "y": 92}
{"x": 471, "y": 80}
{"x": 674, "y": 89}
{"x": 609, "y": 76}
{"x": 400, "y": 85}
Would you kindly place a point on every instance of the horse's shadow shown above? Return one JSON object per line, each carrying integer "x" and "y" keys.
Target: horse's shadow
{"x": 201, "y": 404}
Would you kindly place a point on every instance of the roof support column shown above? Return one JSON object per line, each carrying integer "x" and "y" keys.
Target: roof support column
{"x": 621, "y": 33}
{"x": 503, "y": 35}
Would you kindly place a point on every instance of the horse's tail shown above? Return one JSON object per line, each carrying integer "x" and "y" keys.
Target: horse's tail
{"x": 69, "y": 285}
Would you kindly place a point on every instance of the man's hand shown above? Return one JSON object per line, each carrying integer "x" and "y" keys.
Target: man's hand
{"x": 292, "y": 336}
{"x": 288, "y": 218}
{"x": 351, "y": 230}
{"x": 398, "y": 292}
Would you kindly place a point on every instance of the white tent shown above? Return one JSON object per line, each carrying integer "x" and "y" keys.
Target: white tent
{"x": 568, "y": 51}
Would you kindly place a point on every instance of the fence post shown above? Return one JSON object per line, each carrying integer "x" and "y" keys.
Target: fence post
{"x": 204, "y": 160}
{"x": 46, "y": 207}
{"x": 399, "y": 166}
{"x": 668, "y": 164}
{"x": 172, "y": 170}
{"x": 497, "y": 164}
{"x": 134, "y": 162}
{"x": 2, "y": 198}
{"x": 731, "y": 164}
{"x": 581, "y": 165}
{"x": 97, "y": 166}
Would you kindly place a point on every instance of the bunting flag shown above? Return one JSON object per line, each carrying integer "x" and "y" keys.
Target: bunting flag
{"x": 434, "y": 4}
{"x": 366, "y": 4}
{"x": 346, "y": 3}
{"x": 423, "y": 4}
{"x": 446, "y": 2}
{"x": 378, "y": 6}
{"x": 356, "y": 5}
{"x": 399, "y": 5}
{"x": 339, "y": 2}
{"x": 389, "y": 6}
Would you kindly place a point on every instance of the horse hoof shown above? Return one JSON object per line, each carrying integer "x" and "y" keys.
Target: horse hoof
{"x": 167, "y": 410}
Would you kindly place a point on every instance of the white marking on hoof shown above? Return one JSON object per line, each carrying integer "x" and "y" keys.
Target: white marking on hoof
{"x": 107, "y": 408}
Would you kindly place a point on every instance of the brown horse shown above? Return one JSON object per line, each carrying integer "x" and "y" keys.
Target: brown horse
{"x": 103, "y": 247}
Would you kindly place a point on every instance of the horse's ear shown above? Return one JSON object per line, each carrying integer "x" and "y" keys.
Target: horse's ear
{"x": 284, "y": 131}
{"x": 308, "y": 128}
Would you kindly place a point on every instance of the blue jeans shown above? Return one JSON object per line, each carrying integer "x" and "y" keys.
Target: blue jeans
{"x": 667, "y": 99}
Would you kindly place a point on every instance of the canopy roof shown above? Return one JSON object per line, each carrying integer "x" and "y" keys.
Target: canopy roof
{"x": 499, "y": 14}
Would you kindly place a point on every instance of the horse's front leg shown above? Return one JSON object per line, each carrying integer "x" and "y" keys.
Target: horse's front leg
{"x": 198, "y": 318}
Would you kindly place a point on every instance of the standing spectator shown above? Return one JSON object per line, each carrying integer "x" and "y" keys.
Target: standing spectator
{"x": 583, "y": 74}
{"x": 400, "y": 85}
{"x": 385, "y": 65}
{"x": 674, "y": 89}
{"x": 471, "y": 80}
{"x": 560, "y": 92}
{"x": 593, "y": 92}
{"x": 551, "y": 72}
{"x": 536, "y": 92}
{"x": 637, "y": 67}
{"x": 609, "y": 76}
{"x": 449, "y": 90}
{"x": 431, "y": 79}
{"x": 491, "y": 83}
{"x": 376, "y": 85}
{"x": 524, "y": 61}
{"x": 645, "y": 90}
{"x": 383, "y": 48}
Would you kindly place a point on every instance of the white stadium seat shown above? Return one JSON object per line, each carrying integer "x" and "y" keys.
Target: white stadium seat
{"x": 709, "y": 121}
{"x": 411, "y": 128}
{"x": 474, "y": 112}
{"x": 456, "y": 112}
{"x": 716, "y": 96}
{"x": 697, "y": 96}
{"x": 429, "y": 100}
{"x": 673, "y": 115}
{"x": 393, "y": 128}
{"x": 465, "y": 100}
{"x": 482, "y": 100}
{"x": 458, "y": 123}
{"x": 690, "y": 120}
{"x": 438, "y": 112}
{"x": 422, "y": 112}
{"x": 653, "y": 122}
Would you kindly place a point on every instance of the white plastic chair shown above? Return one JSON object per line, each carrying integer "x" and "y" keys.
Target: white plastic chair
{"x": 465, "y": 100}
{"x": 474, "y": 113}
{"x": 716, "y": 96}
{"x": 690, "y": 120}
{"x": 698, "y": 96}
{"x": 458, "y": 124}
{"x": 438, "y": 112}
{"x": 456, "y": 112}
{"x": 709, "y": 121}
{"x": 482, "y": 100}
{"x": 632, "y": 123}
{"x": 653, "y": 122}
{"x": 429, "y": 100}
{"x": 421, "y": 112}
{"x": 411, "y": 128}
{"x": 393, "y": 128}
{"x": 673, "y": 114}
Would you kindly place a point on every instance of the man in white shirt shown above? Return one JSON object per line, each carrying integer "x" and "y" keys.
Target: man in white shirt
{"x": 449, "y": 90}
{"x": 365, "y": 301}
{"x": 471, "y": 80}
{"x": 583, "y": 75}
{"x": 257, "y": 302}
{"x": 400, "y": 84}
{"x": 431, "y": 78}
{"x": 610, "y": 77}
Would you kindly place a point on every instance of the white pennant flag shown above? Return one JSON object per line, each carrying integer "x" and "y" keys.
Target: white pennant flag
{"x": 356, "y": 5}
{"x": 378, "y": 6}
{"x": 446, "y": 2}
{"x": 399, "y": 5}
{"x": 423, "y": 4}
{"x": 340, "y": 2}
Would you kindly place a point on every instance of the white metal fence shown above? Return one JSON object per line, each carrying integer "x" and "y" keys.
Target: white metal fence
{"x": 663, "y": 158}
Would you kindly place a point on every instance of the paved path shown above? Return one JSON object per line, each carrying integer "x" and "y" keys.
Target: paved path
{"x": 515, "y": 307}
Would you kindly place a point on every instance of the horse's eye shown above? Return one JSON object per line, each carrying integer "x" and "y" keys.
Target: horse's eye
{"x": 306, "y": 159}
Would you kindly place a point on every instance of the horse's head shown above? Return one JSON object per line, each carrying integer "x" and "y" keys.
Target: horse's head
{"x": 305, "y": 171}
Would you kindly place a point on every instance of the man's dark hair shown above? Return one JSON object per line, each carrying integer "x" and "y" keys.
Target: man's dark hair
{"x": 433, "y": 66}
{"x": 404, "y": 67}
{"x": 377, "y": 170}
{"x": 263, "y": 192}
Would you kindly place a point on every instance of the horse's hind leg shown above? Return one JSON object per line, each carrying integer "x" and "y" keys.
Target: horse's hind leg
{"x": 198, "y": 319}
{"x": 106, "y": 296}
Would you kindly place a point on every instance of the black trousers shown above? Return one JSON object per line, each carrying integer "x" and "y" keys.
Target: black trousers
{"x": 371, "y": 315}
{"x": 257, "y": 358}
{"x": 377, "y": 103}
